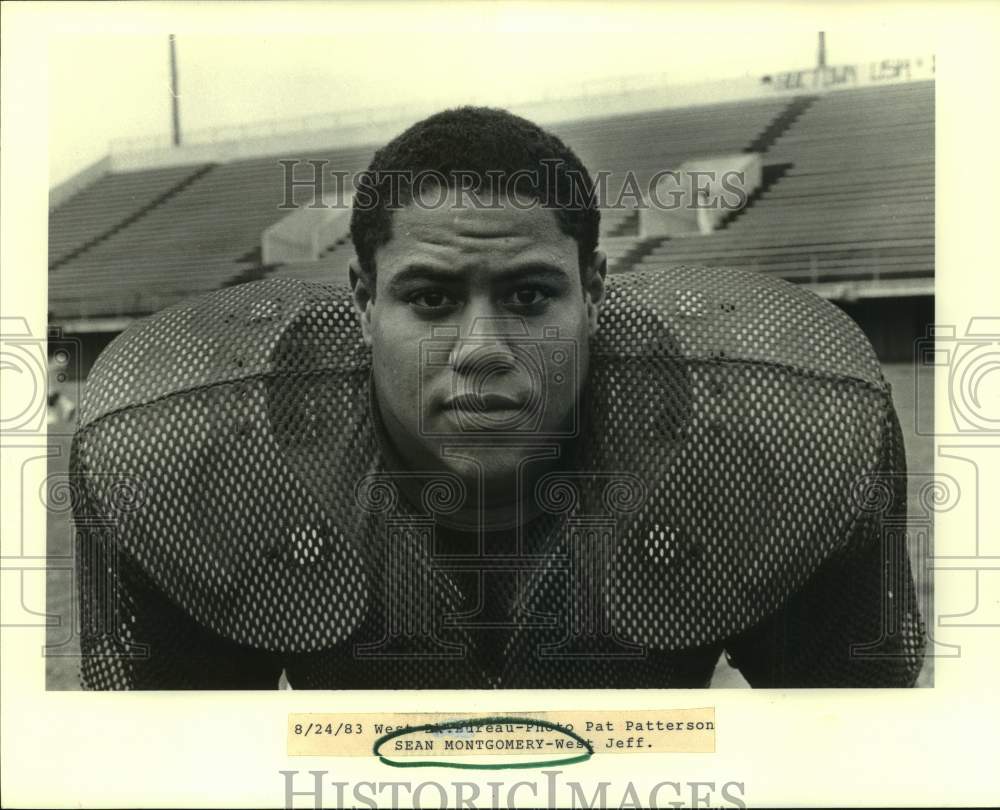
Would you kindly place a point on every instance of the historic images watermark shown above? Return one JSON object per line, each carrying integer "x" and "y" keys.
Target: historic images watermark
{"x": 552, "y": 187}
{"x": 969, "y": 361}
{"x": 965, "y": 359}
{"x": 38, "y": 374}
{"x": 550, "y": 788}
{"x": 36, "y": 426}
{"x": 965, "y": 366}
{"x": 511, "y": 390}
{"x": 536, "y": 368}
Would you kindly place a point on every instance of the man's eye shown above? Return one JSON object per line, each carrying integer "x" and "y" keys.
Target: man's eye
{"x": 528, "y": 297}
{"x": 432, "y": 299}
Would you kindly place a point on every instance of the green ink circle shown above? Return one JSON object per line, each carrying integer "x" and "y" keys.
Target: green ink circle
{"x": 481, "y": 721}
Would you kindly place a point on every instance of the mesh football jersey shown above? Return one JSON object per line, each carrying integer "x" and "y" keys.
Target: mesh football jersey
{"x": 737, "y": 484}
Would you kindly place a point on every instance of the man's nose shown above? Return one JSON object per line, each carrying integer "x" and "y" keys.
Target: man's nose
{"x": 485, "y": 344}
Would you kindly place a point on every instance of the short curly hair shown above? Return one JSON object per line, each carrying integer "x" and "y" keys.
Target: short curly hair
{"x": 470, "y": 146}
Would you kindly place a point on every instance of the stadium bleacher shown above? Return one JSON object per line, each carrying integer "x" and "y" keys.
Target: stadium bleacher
{"x": 851, "y": 198}
{"x": 106, "y": 206}
{"x": 649, "y": 142}
{"x": 855, "y": 203}
{"x": 203, "y": 236}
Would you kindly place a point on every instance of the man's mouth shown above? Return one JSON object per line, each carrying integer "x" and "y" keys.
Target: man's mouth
{"x": 483, "y": 403}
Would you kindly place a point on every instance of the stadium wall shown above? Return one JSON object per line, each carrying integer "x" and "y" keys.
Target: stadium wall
{"x": 613, "y": 97}
{"x": 892, "y": 324}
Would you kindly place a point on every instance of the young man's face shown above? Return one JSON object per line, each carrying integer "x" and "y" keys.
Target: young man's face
{"x": 479, "y": 332}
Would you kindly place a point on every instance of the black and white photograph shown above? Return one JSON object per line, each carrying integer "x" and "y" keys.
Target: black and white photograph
{"x": 525, "y": 395}
{"x": 479, "y": 347}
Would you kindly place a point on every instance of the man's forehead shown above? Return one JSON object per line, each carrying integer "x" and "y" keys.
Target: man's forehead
{"x": 441, "y": 223}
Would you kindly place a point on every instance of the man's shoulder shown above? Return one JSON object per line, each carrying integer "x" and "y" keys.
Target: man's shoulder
{"x": 224, "y": 337}
{"x": 734, "y": 316}
{"x": 691, "y": 314}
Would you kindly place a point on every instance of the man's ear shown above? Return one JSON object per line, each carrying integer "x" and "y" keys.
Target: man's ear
{"x": 363, "y": 294}
{"x": 594, "y": 289}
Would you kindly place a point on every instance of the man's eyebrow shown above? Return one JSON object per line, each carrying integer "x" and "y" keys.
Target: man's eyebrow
{"x": 535, "y": 269}
{"x": 425, "y": 272}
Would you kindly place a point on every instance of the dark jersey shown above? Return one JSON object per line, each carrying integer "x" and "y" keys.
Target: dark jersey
{"x": 737, "y": 484}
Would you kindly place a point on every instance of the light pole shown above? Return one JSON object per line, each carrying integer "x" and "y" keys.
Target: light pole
{"x": 174, "y": 92}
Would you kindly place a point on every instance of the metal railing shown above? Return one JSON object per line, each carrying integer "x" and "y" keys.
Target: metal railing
{"x": 373, "y": 116}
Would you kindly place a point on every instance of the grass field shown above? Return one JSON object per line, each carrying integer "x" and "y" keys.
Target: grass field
{"x": 62, "y": 665}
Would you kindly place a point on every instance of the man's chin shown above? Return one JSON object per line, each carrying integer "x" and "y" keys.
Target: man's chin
{"x": 494, "y": 466}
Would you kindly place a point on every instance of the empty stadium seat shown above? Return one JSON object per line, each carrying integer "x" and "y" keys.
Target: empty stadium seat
{"x": 854, "y": 199}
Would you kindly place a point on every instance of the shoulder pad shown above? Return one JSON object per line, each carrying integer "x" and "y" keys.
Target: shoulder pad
{"x": 749, "y": 408}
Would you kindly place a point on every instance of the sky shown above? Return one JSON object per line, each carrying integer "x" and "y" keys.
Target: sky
{"x": 109, "y": 79}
